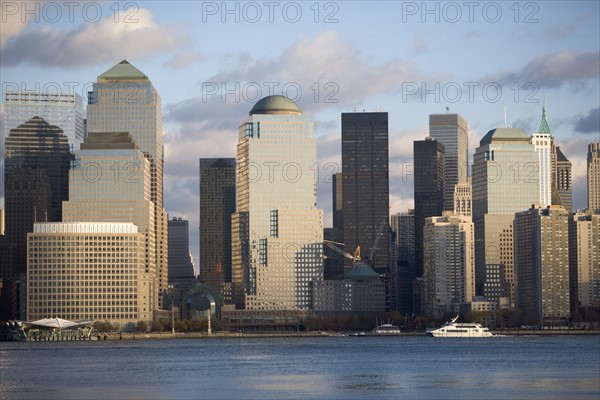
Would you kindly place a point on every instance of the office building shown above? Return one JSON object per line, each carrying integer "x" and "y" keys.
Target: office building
{"x": 361, "y": 291}
{"x": 181, "y": 267}
{"x": 463, "y": 198}
{"x": 584, "y": 261}
{"x": 448, "y": 263}
{"x": 403, "y": 269}
{"x": 365, "y": 187}
{"x": 87, "y": 271}
{"x": 277, "y": 230}
{"x": 542, "y": 265}
{"x": 593, "y": 176}
{"x": 562, "y": 180}
{"x": 429, "y": 164}
{"x": 217, "y": 204}
{"x": 141, "y": 117}
{"x": 503, "y": 183}
{"x": 37, "y": 181}
{"x": 451, "y": 130}
{"x": 62, "y": 110}
{"x": 337, "y": 201}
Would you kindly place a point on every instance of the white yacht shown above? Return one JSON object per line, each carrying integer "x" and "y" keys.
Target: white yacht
{"x": 459, "y": 329}
{"x": 387, "y": 329}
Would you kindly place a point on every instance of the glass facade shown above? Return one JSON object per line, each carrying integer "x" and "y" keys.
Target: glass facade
{"x": 365, "y": 186}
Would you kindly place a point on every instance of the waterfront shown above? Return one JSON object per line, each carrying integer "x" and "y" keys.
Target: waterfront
{"x": 533, "y": 367}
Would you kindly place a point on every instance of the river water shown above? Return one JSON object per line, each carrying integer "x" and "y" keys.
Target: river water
{"x": 537, "y": 367}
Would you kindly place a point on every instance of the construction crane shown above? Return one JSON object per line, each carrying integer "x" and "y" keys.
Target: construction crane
{"x": 377, "y": 236}
{"x": 354, "y": 257}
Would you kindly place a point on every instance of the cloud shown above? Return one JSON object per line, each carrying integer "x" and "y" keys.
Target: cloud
{"x": 92, "y": 43}
{"x": 318, "y": 73}
{"x": 589, "y": 123}
{"x": 183, "y": 59}
{"x": 554, "y": 70}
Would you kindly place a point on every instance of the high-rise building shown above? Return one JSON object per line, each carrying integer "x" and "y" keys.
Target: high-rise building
{"x": 181, "y": 267}
{"x": 35, "y": 152}
{"x": 277, "y": 230}
{"x": 554, "y": 168}
{"x": 584, "y": 260}
{"x": 94, "y": 271}
{"x": 448, "y": 263}
{"x": 124, "y": 100}
{"x": 542, "y": 265}
{"x": 365, "y": 186}
{"x": 429, "y": 159}
{"x": 217, "y": 204}
{"x": 463, "y": 198}
{"x": 337, "y": 202}
{"x": 593, "y": 176}
{"x": 402, "y": 271}
{"x": 62, "y": 110}
{"x": 543, "y": 142}
{"x": 452, "y": 131}
{"x": 505, "y": 181}
{"x": 111, "y": 182}
{"x": 562, "y": 180}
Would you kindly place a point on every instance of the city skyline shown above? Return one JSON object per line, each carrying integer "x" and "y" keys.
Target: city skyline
{"x": 553, "y": 46}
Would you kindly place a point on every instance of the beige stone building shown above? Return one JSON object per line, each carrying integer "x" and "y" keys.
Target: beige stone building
{"x": 88, "y": 271}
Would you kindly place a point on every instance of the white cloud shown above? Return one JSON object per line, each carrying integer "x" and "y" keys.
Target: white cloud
{"x": 91, "y": 43}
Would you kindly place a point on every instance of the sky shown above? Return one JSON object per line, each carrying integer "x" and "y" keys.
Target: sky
{"x": 495, "y": 63}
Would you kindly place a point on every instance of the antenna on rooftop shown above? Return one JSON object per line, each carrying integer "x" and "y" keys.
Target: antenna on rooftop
{"x": 505, "y": 118}
{"x": 447, "y": 109}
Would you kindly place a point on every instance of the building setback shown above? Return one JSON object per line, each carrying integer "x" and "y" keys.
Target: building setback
{"x": 365, "y": 186}
{"x": 505, "y": 181}
{"x": 217, "y": 204}
{"x": 542, "y": 265}
{"x": 124, "y": 100}
{"x": 277, "y": 230}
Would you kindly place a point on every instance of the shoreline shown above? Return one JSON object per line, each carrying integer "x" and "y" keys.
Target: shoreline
{"x": 267, "y": 335}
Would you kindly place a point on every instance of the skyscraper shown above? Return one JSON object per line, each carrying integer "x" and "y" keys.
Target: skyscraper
{"x": 593, "y": 175}
{"x": 429, "y": 157}
{"x": 448, "y": 263}
{"x": 181, "y": 268}
{"x": 337, "y": 201}
{"x": 403, "y": 269}
{"x": 365, "y": 186}
{"x": 554, "y": 168}
{"x": 505, "y": 181}
{"x": 463, "y": 198}
{"x": 542, "y": 270}
{"x": 35, "y": 151}
{"x": 277, "y": 230}
{"x": 124, "y": 100}
{"x": 217, "y": 204}
{"x": 451, "y": 130}
{"x": 62, "y": 110}
{"x": 110, "y": 183}
{"x": 584, "y": 260}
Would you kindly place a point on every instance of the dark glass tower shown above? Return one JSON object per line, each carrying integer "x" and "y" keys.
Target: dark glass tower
{"x": 217, "y": 203}
{"x": 181, "y": 268}
{"x": 37, "y": 164}
{"x": 365, "y": 186}
{"x": 429, "y": 158}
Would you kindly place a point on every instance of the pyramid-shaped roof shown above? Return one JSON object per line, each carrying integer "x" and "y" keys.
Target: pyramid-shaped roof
{"x": 504, "y": 134}
{"x": 361, "y": 271}
{"x": 122, "y": 71}
{"x": 544, "y": 127}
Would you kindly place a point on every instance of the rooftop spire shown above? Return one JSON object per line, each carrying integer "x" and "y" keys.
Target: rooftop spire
{"x": 544, "y": 127}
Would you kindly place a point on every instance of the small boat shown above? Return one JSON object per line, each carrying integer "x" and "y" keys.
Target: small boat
{"x": 387, "y": 329}
{"x": 460, "y": 330}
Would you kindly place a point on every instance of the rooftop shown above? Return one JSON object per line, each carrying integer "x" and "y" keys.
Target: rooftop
{"x": 276, "y": 105}
{"x": 123, "y": 71}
